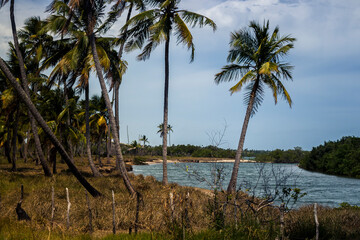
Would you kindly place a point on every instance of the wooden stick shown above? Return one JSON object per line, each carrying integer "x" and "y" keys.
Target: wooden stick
{"x": 137, "y": 212}
{"x": 282, "y": 221}
{"x": 68, "y": 209}
{"x": 316, "y": 221}
{"x": 113, "y": 209}
{"x": 172, "y": 207}
{"x": 90, "y": 214}
{"x": 235, "y": 213}
{"x": 22, "y": 192}
{"x": 52, "y": 205}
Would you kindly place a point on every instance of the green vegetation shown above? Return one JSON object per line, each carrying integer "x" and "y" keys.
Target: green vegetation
{"x": 339, "y": 158}
{"x": 282, "y": 156}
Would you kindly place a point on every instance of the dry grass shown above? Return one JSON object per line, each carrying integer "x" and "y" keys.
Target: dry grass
{"x": 154, "y": 212}
{"x": 199, "y": 212}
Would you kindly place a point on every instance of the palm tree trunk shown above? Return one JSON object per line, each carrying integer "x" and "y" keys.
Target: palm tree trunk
{"x": 25, "y": 98}
{"x": 14, "y": 139}
{"x": 233, "y": 180}
{"x": 67, "y": 139}
{"x": 165, "y": 122}
{"x": 52, "y": 154}
{"x": 26, "y": 146}
{"x": 119, "y": 158}
{"x": 94, "y": 170}
{"x": 117, "y": 83}
{"x": 99, "y": 150}
{"x": 108, "y": 144}
{"x": 8, "y": 140}
{"x": 44, "y": 164}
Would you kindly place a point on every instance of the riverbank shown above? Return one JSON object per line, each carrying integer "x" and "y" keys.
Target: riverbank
{"x": 196, "y": 160}
{"x": 167, "y": 212}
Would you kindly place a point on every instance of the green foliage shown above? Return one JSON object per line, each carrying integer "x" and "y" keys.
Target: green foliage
{"x": 192, "y": 151}
{"x": 282, "y": 156}
{"x": 139, "y": 160}
{"x": 338, "y": 158}
{"x": 345, "y": 205}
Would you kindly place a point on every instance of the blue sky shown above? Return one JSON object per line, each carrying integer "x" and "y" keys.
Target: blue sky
{"x": 325, "y": 87}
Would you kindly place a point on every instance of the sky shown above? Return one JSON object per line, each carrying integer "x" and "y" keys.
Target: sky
{"x": 325, "y": 87}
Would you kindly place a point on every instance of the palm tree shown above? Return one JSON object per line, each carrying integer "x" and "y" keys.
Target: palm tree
{"x": 161, "y": 130}
{"x": 144, "y": 139}
{"x": 117, "y": 10}
{"x": 24, "y": 96}
{"x": 156, "y": 26}
{"x": 255, "y": 55}
{"x": 79, "y": 59}
{"x": 91, "y": 12}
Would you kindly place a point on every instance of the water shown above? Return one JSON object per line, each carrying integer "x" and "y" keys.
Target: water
{"x": 320, "y": 188}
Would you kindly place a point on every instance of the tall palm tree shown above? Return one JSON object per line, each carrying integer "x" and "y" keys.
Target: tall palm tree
{"x": 24, "y": 96}
{"x": 79, "y": 59}
{"x": 156, "y": 26}
{"x": 255, "y": 55}
{"x": 117, "y": 10}
{"x": 91, "y": 12}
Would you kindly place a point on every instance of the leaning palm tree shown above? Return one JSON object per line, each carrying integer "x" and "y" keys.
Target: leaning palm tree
{"x": 25, "y": 85}
{"x": 156, "y": 26}
{"x": 24, "y": 96}
{"x": 255, "y": 55}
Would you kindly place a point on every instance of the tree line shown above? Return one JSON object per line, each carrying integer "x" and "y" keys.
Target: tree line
{"x": 339, "y": 157}
{"x": 282, "y": 156}
{"x": 71, "y": 43}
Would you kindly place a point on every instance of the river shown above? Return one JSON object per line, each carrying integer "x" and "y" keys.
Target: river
{"x": 258, "y": 179}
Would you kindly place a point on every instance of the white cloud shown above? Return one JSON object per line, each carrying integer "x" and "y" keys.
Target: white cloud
{"x": 316, "y": 24}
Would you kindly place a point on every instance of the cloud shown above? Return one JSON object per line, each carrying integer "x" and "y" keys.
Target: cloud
{"x": 318, "y": 25}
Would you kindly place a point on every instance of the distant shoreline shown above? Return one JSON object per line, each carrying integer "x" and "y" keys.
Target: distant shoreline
{"x": 158, "y": 161}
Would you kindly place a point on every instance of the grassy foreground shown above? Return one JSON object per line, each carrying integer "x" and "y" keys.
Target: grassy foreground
{"x": 193, "y": 214}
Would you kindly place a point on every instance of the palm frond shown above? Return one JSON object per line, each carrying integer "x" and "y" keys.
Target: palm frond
{"x": 249, "y": 76}
{"x": 136, "y": 36}
{"x": 258, "y": 95}
{"x": 3, "y": 3}
{"x": 282, "y": 90}
{"x": 230, "y": 72}
{"x": 195, "y": 19}
{"x": 183, "y": 35}
{"x": 268, "y": 68}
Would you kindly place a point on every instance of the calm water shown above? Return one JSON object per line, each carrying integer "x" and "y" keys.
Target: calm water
{"x": 321, "y": 188}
